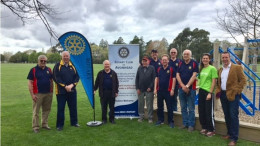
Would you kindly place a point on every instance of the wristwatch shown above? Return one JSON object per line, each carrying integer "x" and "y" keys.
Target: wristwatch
{"x": 187, "y": 86}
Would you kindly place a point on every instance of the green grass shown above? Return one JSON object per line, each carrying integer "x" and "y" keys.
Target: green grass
{"x": 16, "y": 119}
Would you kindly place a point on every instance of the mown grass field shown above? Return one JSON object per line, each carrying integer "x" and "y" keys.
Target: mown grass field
{"x": 16, "y": 119}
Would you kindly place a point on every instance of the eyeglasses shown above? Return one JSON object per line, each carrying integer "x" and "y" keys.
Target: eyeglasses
{"x": 173, "y": 52}
{"x": 43, "y": 61}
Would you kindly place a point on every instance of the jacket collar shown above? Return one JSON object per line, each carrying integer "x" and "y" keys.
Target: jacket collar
{"x": 62, "y": 63}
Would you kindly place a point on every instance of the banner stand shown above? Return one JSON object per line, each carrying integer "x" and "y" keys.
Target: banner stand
{"x": 94, "y": 123}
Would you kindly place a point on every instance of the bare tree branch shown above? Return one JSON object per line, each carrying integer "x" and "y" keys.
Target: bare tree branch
{"x": 28, "y": 10}
{"x": 242, "y": 17}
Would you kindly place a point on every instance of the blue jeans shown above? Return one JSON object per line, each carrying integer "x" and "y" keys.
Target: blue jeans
{"x": 230, "y": 109}
{"x": 71, "y": 98}
{"x": 187, "y": 107}
{"x": 164, "y": 95}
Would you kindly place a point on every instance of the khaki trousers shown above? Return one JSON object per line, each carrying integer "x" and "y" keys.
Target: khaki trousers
{"x": 44, "y": 100}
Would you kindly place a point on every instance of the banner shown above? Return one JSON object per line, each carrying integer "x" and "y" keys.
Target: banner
{"x": 125, "y": 62}
{"x": 81, "y": 57}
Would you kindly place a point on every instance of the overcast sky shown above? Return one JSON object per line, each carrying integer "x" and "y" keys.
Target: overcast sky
{"x": 110, "y": 19}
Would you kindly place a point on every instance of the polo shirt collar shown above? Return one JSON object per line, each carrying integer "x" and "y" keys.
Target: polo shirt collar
{"x": 40, "y": 67}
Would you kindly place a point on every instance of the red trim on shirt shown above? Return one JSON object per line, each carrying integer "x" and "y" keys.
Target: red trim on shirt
{"x": 35, "y": 87}
{"x": 170, "y": 82}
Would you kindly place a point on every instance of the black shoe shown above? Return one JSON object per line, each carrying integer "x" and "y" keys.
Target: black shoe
{"x": 59, "y": 128}
{"x": 112, "y": 122}
{"x": 104, "y": 122}
{"x": 76, "y": 125}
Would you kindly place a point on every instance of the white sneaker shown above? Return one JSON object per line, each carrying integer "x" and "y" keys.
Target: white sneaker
{"x": 150, "y": 121}
{"x": 140, "y": 120}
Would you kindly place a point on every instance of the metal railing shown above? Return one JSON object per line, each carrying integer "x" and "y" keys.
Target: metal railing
{"x": 248, "y": 102}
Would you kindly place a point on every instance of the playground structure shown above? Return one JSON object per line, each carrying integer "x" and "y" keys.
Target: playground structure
{"x": 251, "y": 94}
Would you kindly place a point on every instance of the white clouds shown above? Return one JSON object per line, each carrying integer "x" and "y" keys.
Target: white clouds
{"x": 97, "y": 19}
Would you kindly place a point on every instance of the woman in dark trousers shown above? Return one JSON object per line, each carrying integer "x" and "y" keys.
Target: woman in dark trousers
{"x": 208, "y": 75}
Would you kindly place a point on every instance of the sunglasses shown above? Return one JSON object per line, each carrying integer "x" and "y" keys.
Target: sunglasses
{"x": 43, "y": 61}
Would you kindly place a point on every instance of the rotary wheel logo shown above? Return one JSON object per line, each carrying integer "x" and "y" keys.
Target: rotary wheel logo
{"x": 123, "y": 52}
{"x": 75, "y": 45}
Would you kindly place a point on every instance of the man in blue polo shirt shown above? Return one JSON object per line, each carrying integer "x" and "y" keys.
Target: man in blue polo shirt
{"x": 154, "y": 60}
{"x": 174, "y": 63}
{"x": 186, "y": 76}
{"x": 164, "y": 88}
{"x": 40, "y": 86}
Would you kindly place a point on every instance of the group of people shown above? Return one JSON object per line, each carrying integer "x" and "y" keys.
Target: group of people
{"x": 66, "y": 78}
{"x": 171, "y": 77}
{"x": 165, "y": 78}
{"x": 40, "y": 83}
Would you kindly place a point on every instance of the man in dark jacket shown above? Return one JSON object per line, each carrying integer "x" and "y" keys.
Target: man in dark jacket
{"x": 144, "y": 83}
{"x": 107, "y": 82}
{"x": 66, "y": 79}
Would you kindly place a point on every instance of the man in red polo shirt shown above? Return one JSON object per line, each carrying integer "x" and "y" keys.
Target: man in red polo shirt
{"x": 186, "y": 76}
{"x": 40, "y": 86}
{"x": 164, "y": 88}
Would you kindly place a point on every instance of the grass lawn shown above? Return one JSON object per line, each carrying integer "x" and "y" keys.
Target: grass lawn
{"x": 16, "y": 121}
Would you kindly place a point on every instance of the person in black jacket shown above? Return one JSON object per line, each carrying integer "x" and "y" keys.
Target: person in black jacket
{"x": 107, "y": 82}
{"x": 144, "y": 83}
{"x": 66, "y": 78}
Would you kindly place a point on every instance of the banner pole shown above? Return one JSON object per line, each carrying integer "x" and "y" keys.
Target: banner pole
{"x": 93, "y": 123}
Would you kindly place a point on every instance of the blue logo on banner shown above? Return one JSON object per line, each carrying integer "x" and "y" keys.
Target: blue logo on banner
{"x": 80, "y": 54}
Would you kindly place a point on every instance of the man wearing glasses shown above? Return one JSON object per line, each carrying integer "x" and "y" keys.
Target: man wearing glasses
{"x": 174, "y": 63}
{"x": 40, "y": 87}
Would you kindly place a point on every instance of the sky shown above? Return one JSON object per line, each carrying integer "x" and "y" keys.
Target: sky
{"x": 110, "y": 19}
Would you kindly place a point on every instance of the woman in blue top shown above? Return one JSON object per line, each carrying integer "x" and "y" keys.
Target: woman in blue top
{"x": 208, "y": 75}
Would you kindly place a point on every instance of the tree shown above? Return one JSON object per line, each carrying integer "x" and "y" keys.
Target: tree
{"x": 53, "y": 57}
{"x": 30, "y": 10}
{"x": 24, "y": 58}
{"x": 2, "y": 58}
{"x": 33, "y": 57}
{"x": 164, "y": 44}
{"x": 103, "y": 44}
{"x": 140, "y": 41}
{"x": 197, "y": 41}
{"x": 99, "y": 54}
{"x": 160, "y": 46}
{"x": 120, "y": 40}
{"x": 7, "y": 55}
{"x": 242, "y": 17}
{"x": 16, "y": 58}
